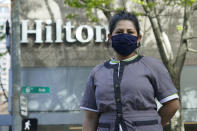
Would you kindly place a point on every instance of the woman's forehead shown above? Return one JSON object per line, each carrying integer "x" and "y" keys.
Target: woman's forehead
{"x": 125, "y": 24}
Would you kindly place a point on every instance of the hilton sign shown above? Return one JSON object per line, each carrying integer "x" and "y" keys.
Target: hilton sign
{"x": 82, "y": 33}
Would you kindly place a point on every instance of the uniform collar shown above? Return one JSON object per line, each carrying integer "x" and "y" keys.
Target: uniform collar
{"x": 114, "y": 61}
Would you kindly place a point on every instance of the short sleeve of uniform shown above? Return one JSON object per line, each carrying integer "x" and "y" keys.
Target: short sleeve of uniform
{"x": 162, "y": 82}
{"x": 88, "y": 101}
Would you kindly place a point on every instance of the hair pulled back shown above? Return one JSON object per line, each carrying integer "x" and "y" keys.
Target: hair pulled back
{"x": 123, "y": 15}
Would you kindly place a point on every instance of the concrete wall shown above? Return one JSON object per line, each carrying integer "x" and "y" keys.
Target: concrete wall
{"x": 89, "y": 54}
{"x": 58, "y": 54}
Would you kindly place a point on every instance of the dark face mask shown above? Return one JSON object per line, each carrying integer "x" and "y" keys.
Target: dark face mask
{"x": 124, "y": 44}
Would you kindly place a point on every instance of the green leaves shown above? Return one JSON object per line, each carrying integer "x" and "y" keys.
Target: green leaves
{"x": 181, "y": 2}
{"x": 141, "y": 2}
{"x": 2, "y": 35}
{"x": 149, "y": 4}
{"x": 89, "y": 6}
{"x": 185, "y": 2}
{"x": 167, "y": 2}
{"x": 119, "y": 9}
{"x": 3, "y": 53}
{"x": 71, "y": 16}
{"x": 91, "y": 16}
{"x": 189, "y": 2}
{"x": 74, "y": 3}
{"x": 87, "y": 3}
{"x": 138, "y": 13}
{"x": 179, "y": 28}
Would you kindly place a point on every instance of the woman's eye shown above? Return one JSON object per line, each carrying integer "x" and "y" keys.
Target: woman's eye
{"x": 118, "y": 32}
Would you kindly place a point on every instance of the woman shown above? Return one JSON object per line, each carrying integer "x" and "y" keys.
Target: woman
{"x": 120, "y": 93}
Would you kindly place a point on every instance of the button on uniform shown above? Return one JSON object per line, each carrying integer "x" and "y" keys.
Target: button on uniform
{"x": 116, "y": 86}
{"x": 118, "y": 100}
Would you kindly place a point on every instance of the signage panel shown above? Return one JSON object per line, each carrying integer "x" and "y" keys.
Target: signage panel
{"x": 29, "y": 125}
{"x": 35, "y": 89}
{"x": 82, "y": 34}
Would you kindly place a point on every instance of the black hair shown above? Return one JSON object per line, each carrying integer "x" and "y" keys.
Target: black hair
{"x": 123, "y": 15}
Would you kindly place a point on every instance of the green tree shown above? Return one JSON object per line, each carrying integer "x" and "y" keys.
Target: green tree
{"x": 2, "y": 36}
{"x": 155, "y": 10}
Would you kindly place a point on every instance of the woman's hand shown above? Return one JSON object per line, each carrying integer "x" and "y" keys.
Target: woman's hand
{"x": 90, "y": 121}
{"x": 168, "y": 110}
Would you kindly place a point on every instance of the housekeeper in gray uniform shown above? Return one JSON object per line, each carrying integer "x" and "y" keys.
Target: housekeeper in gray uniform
{"x": 120, "y": 93}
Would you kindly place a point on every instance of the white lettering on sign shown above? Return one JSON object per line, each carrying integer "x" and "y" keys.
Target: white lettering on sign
{"x": 37, "y": 31}
{"x": 48, "y": 32}
{"x": 41, "y": 90}
{"x": 58, "y": 31}
{"x": 79, "y": 34}
{"x": 69, "y": 28}
{"x": 83, "y": 33}
{"x": 99, "y": 33}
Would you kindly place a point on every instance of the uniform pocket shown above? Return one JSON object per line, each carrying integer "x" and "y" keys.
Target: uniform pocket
{"x": 149, "y": 128}
{"x": 104, "y": 127}
{"x": 150, "y": 125}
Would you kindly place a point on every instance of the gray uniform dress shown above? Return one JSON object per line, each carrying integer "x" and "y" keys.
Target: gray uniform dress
{"x": 124, "y": 94}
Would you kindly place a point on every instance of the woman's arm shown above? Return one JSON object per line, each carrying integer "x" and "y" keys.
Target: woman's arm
{"x": 168, "y": 110}
{"x": 90, "y": 121}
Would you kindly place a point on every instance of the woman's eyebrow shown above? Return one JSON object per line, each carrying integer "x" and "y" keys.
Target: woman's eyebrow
{"x": 131, "y": 29}
{"x": 119, "y": 29}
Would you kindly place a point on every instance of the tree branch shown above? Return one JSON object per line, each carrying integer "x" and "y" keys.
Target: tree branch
{"x": 191, "y": 50}
{"x": 82, "y": 2}
{"x": 164, "y": 7}
{"x": 1, "y": 85}
{"x": 181, "y": 54}
{"x": 106, "y": 11}
{"x": 195, "y": 6}
{"x": 189, "y": 38}
{"x": 124, "y": 5}
{"x": 157, "y": 30}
